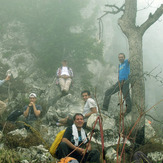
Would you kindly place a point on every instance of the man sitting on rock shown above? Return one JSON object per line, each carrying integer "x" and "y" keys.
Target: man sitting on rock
{"x": 72, "y": 138}
{"x": 64, "y": 75}
{"x": 32, "y": 111}
{"x": 90, "y": 106}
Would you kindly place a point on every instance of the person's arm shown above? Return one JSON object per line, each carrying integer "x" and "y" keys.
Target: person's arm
{"x": 79, "y": 150}
{"x": 36, "y": 112}
{"x": 93, "y": 110}
{"x": 1, "y": 82}
{"x": 6, "y": 79}
{"x": 26, "y": 112}
{"x": 88, "y": 146}
{"x": 58, "y": 73}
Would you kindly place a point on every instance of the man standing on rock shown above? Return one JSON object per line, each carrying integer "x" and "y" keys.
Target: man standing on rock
{"x": 123, "y": 84}
{"x": 64, "y": 76}
{"x": 32, "y": 111}
{"x": 90, "y": 105}
{"x": 73, "y": 137}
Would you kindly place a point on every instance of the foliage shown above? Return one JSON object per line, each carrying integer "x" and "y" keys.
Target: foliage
{"x": 48, "y": 26}
{"x": 9, "y": 156}
{"x": 151, "y": 146}
{"x": 7, "y": 126}
{"x": 14, "y": 141}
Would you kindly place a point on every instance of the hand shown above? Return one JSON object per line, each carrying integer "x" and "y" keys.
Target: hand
{"x": 7, "y": 78}
{"x": 31, "y": 104}
{"x": 81, "y": 151}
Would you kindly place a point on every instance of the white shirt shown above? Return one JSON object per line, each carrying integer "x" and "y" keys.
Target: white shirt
{"x": 90, "y": 103}
{"x": 65, "y": 71}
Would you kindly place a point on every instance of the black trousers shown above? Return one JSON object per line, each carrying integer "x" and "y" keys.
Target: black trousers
{"x": 114, "y": 89}
{"x": 63, "y": 150}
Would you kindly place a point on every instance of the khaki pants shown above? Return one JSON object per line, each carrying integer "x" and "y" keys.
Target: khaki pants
{"x": 65, "y": 84}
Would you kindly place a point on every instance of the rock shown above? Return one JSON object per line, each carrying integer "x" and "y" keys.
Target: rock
{"x": 2, "y": 107}
{"x": 51, "y": 132}
{"x": 1, "y": 135}
{"x": 1, "y": 146}
{"x": 22, "y": 132}
{"x": 156, "y": 156}
{"x": 149, "y": 130}
{"x": 68, "y": 104}
{"x": 109, "y": 123}
{"x": 111, "y": 154}
{"x": 24, "y": 161}
{"x": 35, "y": 154}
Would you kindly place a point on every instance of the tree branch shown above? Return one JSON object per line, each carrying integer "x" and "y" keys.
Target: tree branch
{"x": 115, "y": 10}
{"x": 151, "y": 19}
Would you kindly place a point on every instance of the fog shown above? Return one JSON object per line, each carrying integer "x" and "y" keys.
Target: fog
{"x": 37, "y": 35}
{"x": 116, "y": 42}
{"x": 112, "y": 36}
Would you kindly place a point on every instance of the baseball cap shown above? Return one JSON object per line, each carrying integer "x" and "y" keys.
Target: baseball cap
{"x": 32, "y": 95}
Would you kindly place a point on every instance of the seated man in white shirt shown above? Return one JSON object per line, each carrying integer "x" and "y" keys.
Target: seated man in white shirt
{"x": 64, "y": 75}
{"x": 90, "y": 106}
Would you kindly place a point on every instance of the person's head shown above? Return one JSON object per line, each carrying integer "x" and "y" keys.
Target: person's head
{"x": 64, "y": 62}
{"x": 85, "y": 95}
{"x": 32, "y": 97}
{"x": 121, "y": 57}
{"x": 78, "y": 120}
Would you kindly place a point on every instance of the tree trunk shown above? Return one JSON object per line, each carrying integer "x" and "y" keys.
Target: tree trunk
{"x": 134, "y": 35}
{"x": 137, "y": 78}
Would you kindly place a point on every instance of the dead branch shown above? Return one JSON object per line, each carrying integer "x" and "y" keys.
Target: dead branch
{"x": 149, "y": 4}
{"x": 151, "y": 19}
{"x": 114, "y": 10}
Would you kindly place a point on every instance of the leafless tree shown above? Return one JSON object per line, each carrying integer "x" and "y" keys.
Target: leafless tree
{"x": 134, "y": 34}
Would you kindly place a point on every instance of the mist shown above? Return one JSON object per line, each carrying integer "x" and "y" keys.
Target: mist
{"x": 37, "y": 35}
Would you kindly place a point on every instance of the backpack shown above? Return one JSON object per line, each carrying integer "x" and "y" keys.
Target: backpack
{"x": 68, "y": 160}
{"x": 13, "y": 116}
{"x": 56, "y": 142}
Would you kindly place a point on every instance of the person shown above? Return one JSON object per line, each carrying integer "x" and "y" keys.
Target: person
{"x": 90, "y": 106}
{"x": 6, "y": 79}
{"x": 32, "y": 111}
{"x": 72, "y": 138}
{"x": 64, "y": 77}
{"x": 3, "y": 104}
{"x": 123, "y": 83}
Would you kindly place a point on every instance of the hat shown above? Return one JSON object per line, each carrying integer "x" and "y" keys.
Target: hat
{"x": 32, "y": 95}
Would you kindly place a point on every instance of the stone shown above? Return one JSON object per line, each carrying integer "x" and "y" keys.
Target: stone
{"x": 2, "y": 107}
{"x": 111, "y": 154}
{"x": 156, "y": 156}
{"x": 22, "y": 132}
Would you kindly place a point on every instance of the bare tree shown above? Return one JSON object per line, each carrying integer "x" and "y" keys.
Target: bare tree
{"x": 134, "y": 34}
